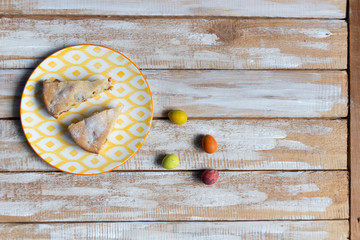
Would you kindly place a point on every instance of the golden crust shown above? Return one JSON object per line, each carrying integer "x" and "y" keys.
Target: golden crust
{"x": 91, "y": 133}
{"x": 60, "y": 97}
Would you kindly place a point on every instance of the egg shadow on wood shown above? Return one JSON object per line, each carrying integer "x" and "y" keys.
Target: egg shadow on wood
{"x": 196, "y": 175}
{"x": 197, "y": 142}
{"x": 165, "y": 113}
{"x": 158, "y": 159}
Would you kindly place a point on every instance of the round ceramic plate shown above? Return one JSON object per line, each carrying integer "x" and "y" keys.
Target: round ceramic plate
{"x": 49, "y": 136}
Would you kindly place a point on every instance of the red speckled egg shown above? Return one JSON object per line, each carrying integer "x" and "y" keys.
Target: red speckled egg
{"x": 210, "y": 176}
{"x": 209, "y": 144}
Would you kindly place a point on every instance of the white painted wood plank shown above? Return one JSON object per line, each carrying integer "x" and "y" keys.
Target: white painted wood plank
{"x": 180, "y": 196}
{"x": 223, "y": 93}
{"x": 254, "y": 8}
{"x": 188, "y": 43}
{"x": 250, "y": 93}
{"x": 242, "y": 145}
{"x": 310, "y": 230}
{"x": 12, "y": 82}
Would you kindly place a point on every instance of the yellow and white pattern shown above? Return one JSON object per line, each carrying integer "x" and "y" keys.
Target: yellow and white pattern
{"x": 49, "y": 136}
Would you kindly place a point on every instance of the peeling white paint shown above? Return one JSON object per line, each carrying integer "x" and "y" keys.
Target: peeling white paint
{"x": 316, "y": 128}
{"x": 202, "y": 38}
{"x": 269, "y": 94}
{"x": 301, "y": 188}
{"x": 316, "y": 45}
{"x": 131, "y": 202}
{"x": 290, "y": 165}
{"x": 305, "y": 204}
{"x": 25, "y": 178}
{"x": 294, "y": 145}
{"x": 315, "y": 32}
{"x": 76, "y": 191}
{"x": 174, "y": 41}
{"x": 274, "y": 57}
{"x": 217, "y": 197}
{"x": 29, "y": 208}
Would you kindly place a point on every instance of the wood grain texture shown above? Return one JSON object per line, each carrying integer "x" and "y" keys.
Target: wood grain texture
{"x": 254, "y": 8}
{"x": 242, "y": 145}
{"x": 354, "y": 19}
{"x": 310, "y": 230}
{"x": 250, "y": 93}
{"x": 155, "y": 196}
{"x": 188, "y": 43}
{"x": 223, "y": 93}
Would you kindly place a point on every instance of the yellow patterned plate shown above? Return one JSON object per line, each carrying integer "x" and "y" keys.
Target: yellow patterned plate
{"x": 49, "y": 136}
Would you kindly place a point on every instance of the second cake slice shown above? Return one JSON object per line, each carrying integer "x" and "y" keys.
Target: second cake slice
{"x": 92, "y": 132}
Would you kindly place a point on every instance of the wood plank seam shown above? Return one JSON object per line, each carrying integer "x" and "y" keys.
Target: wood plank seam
{"x": 127, "y": 17}
{"x": 185, "y": 221}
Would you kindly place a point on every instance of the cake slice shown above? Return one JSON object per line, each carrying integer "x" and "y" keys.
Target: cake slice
{"x": 60, "y": 97}
{"x": 92, "y": 132}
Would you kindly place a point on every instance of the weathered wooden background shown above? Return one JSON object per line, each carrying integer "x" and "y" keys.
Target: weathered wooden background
{"x": 267, "y": 78}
